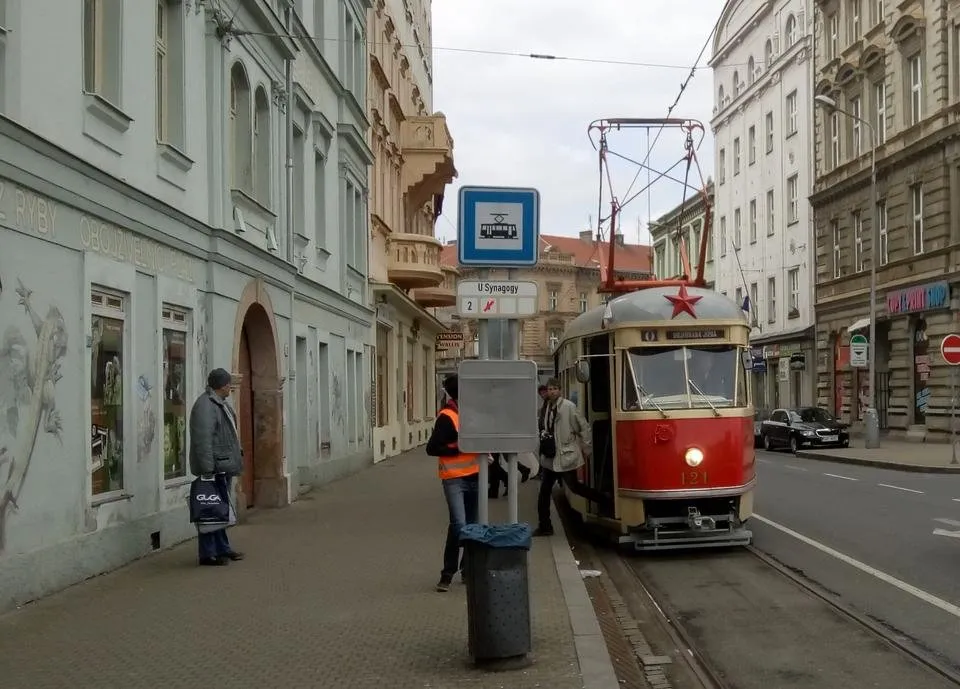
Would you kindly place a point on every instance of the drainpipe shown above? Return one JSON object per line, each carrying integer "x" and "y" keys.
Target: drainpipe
{"x": 288, "y": 73}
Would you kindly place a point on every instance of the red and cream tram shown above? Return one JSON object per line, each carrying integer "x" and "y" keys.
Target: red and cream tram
{"x": 661, "y": 373}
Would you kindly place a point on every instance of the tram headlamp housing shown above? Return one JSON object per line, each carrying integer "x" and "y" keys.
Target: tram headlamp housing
{"x": 693, "y": 457}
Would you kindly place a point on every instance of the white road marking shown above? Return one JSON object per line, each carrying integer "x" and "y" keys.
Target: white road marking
{"x": 909, "y": 490}
{"x": 948, "y": 534}
{"x": 948, "y": 522}
{"x": 845, "y": 478}
{"x": 882, "y": 576}
{"x": 790, "y": 466}
{"x": 956, "y": 499}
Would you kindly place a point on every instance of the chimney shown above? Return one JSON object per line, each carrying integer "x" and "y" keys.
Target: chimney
{"x": 619, "y": 238}
{"x": 586, "y": 235}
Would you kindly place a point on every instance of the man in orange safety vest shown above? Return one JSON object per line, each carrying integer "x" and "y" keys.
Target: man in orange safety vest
{"x": 458, "y": 473}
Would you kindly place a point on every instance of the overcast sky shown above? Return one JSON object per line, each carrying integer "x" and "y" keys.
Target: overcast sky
{"x": 517, "y": 121}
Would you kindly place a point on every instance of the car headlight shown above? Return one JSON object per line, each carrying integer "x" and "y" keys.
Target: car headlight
{"x": 808, "y": 434}
{"x": 694, "y": 456}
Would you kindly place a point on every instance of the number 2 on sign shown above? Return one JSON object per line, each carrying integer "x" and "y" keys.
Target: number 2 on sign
{"x": 468, "y": 305}
{"x": 693, "y": 478}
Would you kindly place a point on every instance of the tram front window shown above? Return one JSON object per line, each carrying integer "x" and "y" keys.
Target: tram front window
{"x": 660, "y": 378}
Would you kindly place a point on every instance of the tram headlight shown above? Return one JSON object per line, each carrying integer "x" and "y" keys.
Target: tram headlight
{"x": 694, "y": 456}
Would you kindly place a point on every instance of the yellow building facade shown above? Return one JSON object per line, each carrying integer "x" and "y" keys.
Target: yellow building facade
{"x": 413, "y": 164}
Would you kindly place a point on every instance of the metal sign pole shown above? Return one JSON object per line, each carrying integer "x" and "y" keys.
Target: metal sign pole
{"x": 513, "y": 353}
{"x": 953, "y": 415}
{"x": 484, "y": 476}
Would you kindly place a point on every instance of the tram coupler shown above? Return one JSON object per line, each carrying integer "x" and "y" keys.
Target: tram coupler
{"x": 698, "y": 521}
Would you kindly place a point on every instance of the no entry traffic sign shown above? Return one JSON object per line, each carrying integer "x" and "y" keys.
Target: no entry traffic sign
{"x": 950, "y": 349}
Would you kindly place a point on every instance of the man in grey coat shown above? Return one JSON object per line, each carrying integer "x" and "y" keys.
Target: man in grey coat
{"x": 215, "y": 452}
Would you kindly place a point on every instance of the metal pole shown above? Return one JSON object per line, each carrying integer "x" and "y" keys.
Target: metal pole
{"x": 953, "y": 416}
{"x": 872, "y": 418}
{"x": 484, "y": 476}
{"x": 513, "y": 484}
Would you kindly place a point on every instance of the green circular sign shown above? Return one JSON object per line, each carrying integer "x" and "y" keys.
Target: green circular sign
{"x": 858, "y": 340}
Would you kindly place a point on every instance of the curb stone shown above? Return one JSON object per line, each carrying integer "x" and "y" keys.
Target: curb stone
{"x": 596, "y": 667}
{"x": 894, "y": 466}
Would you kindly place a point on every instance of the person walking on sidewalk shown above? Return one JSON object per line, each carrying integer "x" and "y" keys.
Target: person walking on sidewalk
{"x": 215, "y": 452}
{"x": 458, "y": 472}
{"x": 565, "y": 442}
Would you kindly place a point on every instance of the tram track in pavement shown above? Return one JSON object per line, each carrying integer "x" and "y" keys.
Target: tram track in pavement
{"x": 740, "y": 619}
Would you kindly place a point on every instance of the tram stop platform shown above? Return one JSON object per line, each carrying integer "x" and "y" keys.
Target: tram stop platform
{"x": 337, "y": 590}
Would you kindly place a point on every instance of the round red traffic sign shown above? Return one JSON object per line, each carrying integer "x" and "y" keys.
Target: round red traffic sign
{"x": 950, "y": 349}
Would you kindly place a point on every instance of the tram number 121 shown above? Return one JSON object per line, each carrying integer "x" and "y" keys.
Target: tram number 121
{"x": 693, "y": 478}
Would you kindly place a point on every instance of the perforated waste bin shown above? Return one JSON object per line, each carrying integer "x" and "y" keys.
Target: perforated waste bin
{"x": 498, "y": 590}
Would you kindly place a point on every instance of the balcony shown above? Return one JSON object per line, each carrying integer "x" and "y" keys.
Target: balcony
{"x": 414, "y": 261}
{"x": 427, "y": 159}
{"x": 445, "y": 294}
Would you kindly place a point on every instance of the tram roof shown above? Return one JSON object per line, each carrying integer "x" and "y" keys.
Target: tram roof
{"x": 652, "y": 305}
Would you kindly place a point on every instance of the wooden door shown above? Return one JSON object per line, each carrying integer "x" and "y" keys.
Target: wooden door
{"x": 245, "y": 418}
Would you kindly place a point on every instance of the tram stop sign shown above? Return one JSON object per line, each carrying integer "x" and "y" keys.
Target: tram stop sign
{"x": 950, "y": 349}
{"x": 859, "y": 351}
{"x": 498, "y": 406}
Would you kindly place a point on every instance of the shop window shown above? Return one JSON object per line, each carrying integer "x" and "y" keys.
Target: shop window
{"x": 175, "y": 333}
{"x": 107, "y": 359}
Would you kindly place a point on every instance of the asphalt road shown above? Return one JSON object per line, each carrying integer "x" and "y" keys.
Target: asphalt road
{"x": 867, "y": 535}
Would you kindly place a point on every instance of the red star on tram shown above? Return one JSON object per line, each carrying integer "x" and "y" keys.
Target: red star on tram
{"x": 683, "y": 302}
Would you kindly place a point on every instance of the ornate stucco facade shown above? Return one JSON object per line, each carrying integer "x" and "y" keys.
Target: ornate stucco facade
{"x": 897, "y": 66}
{"x": 413, "y": 163}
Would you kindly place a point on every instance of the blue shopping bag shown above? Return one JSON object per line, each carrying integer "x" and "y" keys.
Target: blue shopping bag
{"x": 209, "y": 501}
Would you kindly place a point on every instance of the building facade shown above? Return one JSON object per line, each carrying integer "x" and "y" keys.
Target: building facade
{"x": 686, "y": 222}
{"x": 897, "y": 67}
{"x": 763, "y": 232}
{"x": 151, "y": 231}
{"x": 567, "y": 276}
{"x": 413, "y": 164}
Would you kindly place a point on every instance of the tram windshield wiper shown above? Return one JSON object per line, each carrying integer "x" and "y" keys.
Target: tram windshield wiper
{"x": 650, "y": 399}
{"x": 706, "y": 399}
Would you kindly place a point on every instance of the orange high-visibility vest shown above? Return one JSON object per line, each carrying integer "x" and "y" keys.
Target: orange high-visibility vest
{"x": 457, "y": 466}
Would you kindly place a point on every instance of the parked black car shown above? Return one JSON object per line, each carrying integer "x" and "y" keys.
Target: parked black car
{"x": 803, "y": 427}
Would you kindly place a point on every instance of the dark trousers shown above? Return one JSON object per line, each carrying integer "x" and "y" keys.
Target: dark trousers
{"x": 213, "y": 544}
{"x": 496, "y": 476}
{"x": 462, "y": 495}
{"x": 548, "y": 479}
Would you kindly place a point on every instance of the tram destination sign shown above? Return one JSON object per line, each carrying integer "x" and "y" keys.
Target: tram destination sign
{"x": 697, "y": 334}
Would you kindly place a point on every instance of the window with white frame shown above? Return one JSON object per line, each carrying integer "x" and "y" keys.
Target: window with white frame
{"x": 752, "y": 145}
{"x": 768, "y": 131}
{"x": 108, "y": 359}
{"x": 738, "y": 295}
{"x": 754, "y": 302}
{"x": 856, "y": 129}
{"x": 856, "y": 30}
{"x": 241, "y": 153}
{"x": 916, "y": 89}
{"x": 723, "y": 236}
{"x": 170, "y": 74}
{"x": 835, "y": 139}
{"x": 771, "y": 300}
{"x": 880, "y": 110}
{"x": 102, "y": 48}
{"x": 553, "y": 299}
{"x": 261, "y": 146}
{"x": 767, "y": 54}
{"x": 320, "y": 199}
{"x": 792, "y": 112}
{"x": 660, "y": 259}
{"x": 790, "y": 31}
{"x": 833, "y": 32}
{"x": 722, "y": 165}
{"x": 175, "y": 341}
{"x": 360, "y": 230}
{"x": 736, "y": 156}
{"x": 857, "y": 242}
{"x": 835, "y": 236}
{"x": 793, "y": 281}
{"x": 877, "y": 13}
{"x": 916, "y": 211}
{"x": 882, "y": 225}
{"x": 737, "y": 228}
{"x": 583, "y": 302}
{"x": 771, "y": 213}
{"x": 752, "y": 213}
{"x": 793, "y": 200}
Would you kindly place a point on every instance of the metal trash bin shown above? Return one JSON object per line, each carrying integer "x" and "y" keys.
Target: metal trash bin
{"x": 498, "y": 590}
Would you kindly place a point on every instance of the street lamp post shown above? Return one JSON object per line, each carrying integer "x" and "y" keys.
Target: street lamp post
{"x": 871, "y": 420}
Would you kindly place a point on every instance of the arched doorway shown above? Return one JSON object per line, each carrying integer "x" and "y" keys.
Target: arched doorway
{"x": 259, "y": 401}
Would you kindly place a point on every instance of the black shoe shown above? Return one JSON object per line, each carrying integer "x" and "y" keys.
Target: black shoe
{"x": 232, "y": 555}
{"x": 213, "y": 562}
{"x": 444, "y": 584}
{"x": 548, "y": 531}
{"x": 524, "y": 474}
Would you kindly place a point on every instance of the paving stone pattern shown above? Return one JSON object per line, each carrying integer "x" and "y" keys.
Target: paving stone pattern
{"x": 336, "y": 591}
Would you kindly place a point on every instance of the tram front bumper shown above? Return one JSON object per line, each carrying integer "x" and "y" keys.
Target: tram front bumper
{"x": 693, "y": 531}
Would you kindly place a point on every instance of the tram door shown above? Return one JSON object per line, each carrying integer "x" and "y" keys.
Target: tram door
{"x": 598, "y": 412}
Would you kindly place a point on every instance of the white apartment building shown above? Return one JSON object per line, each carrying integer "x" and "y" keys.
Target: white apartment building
{"x": 151, "y": 229}
{"x": 763, "y": 232}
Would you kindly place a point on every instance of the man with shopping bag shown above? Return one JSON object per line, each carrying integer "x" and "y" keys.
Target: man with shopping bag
{"x": 215, "y": 459}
